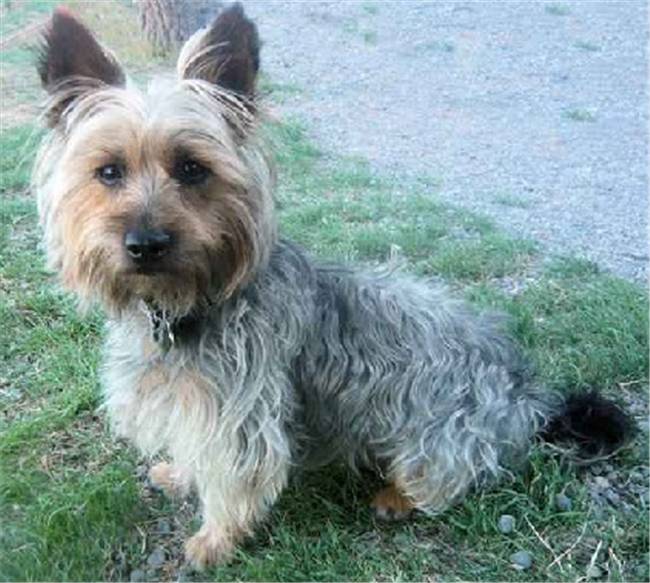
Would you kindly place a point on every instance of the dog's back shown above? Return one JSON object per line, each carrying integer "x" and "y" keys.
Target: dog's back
{"x": 397, "y": 376}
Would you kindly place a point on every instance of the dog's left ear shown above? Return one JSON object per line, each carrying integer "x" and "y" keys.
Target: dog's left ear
{"x": 226, "y": 54}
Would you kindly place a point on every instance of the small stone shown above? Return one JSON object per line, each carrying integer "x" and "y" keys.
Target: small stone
{"x": 521, "y": 560}
{"x": 157, "y": 558}
{"x": 601, "y": 483}
{"x": 594, "y": 572}
{"x": 598, "y": 512}
{"x": 640, "y": 571}
{"x": 636, "y": 476}
{"x": 138, "y": 576}
{"x": 506, "y": 523}
{"x": 163, "y": 526}
{"x": 613, "y": 497}
{"x": 563, "y": 502}
{"x": 402, "y": 539}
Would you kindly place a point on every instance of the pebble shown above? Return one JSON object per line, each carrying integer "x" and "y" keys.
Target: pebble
{"x": 506, "y": 523}
{"x": 636, "y": 476}
{"x": 563, "y": 502}
{"x": 157, "y": 558}
{"x": 613, "y": 497}
{"x": 601, "y": 483}
{"x": 137, "y": 576}
{"x": 594, "y": 572}
{"x": 163, "y": 526}
{"x": 521, "y": 560}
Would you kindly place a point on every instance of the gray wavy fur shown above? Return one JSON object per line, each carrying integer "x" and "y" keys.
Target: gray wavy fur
{"x": 293, "y": 363}
{"x": 309, "y": 363}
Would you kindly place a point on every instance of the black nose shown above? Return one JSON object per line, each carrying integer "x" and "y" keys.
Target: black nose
{"x": 146, "y": 245}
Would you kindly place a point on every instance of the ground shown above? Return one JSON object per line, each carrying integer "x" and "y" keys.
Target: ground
{"x": 533, "y": 113}
{"x": 76, "y": 504}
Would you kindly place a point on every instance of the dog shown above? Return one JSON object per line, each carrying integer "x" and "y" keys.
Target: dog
{"x": 229, "y": 350}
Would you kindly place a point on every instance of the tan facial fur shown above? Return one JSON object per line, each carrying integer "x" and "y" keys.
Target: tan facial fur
{"x": 221, "y": 229}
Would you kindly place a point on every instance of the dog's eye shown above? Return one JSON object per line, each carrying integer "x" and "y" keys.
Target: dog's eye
{"x": 190, "y": 172}
{"x": 111, "y": 174}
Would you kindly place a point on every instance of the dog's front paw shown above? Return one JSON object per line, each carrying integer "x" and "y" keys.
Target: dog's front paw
{"x": 167, "y": 478}
{"x": 208, "y": 547}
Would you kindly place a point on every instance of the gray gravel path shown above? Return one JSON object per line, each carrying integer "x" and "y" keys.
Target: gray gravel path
{"x": 532, "y": 113}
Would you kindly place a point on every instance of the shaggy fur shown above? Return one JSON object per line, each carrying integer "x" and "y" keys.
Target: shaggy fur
{"x": 235, "y": 354}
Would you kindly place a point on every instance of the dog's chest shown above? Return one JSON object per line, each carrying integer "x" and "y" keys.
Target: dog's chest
{"x": 156, "y": 398}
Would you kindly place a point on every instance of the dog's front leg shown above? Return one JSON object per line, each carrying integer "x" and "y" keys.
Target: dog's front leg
{"x": 231, "y": 504}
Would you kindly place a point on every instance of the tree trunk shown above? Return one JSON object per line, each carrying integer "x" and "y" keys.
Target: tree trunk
{"x": 167, "y": 23}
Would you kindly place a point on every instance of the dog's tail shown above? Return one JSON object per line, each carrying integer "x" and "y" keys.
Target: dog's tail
{"x": 589, "y": 426}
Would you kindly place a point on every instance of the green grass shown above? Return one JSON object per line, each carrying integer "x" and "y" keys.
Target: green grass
{"x": 352, "y": 27}
{"x": 557, "y": 9}
{"x": 511, "y": 200}
{"x": 438, "y": 46}
{"x": 582, "y": 328}
{"x": 15, "y": 15}
{"x": 343, "y": 211}
{"x": 370, "y": 37}
{"x": 16, "y": 156}
{"x": 581, "y": 115}
{"x": 279, "y": 93}
{"x": 587, "y": 46}
{"x": 73, "y": 507}
{"x": 370, "y": 8}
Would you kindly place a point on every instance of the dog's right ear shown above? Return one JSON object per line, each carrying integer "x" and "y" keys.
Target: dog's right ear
{"x": 71, "y": 56}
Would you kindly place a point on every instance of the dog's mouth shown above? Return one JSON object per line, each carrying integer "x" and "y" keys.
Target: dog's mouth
{"x": 150, "y": 270}
{"x": 160, "y": 268}
{"x": 165, "y": 287}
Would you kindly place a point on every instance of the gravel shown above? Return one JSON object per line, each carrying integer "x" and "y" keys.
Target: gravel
{"x": 163, "y": 526}
{"x": 521, "y": 560}
{"x": 563, "y": 502}
{"x": 594, "y": 572}
{"x": 535, "y": 117}
{"x": 157, "y": 558}
{"x": 601, "y": 483}
{"x": 137, "y": 576}
{"x": 506, "y": 523}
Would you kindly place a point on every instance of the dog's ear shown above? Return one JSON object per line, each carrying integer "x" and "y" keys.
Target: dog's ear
{"x": 70, "y": 54}
{"x": 226, "y": 54}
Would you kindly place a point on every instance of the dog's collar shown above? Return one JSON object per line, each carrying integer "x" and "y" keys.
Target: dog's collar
{"x": 166, "y": 330}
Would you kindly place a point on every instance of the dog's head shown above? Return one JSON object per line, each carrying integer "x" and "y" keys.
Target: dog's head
{"x": 162, "y": 195}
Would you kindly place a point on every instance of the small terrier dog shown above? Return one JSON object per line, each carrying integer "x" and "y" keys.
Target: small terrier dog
{"x": 228, "y": 349}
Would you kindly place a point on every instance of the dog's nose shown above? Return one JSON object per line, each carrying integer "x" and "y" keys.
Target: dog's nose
{"x": 145, "y": 245}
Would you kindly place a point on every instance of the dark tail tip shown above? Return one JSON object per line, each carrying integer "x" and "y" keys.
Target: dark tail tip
{"x": 596, "y": 426}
